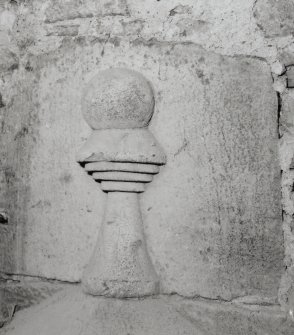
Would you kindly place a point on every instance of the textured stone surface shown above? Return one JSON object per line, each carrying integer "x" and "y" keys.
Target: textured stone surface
{"x": 25, "y": 292}
{"x": 122, "y": 145}
{"x": 73, "y": 313}
{"x": 127, "y": 167}
{"x": 122, "y": 176}
{"x": 290, "y": 77}
{"x": 59, "y": 11}
{"x": 70, "y": 312}
{"x": 215, "y": 318}
{"x": 120, "y": 265}
{"x": 212, "y": 218}
{"x": 275, "y": 17}
{"x": 8, "y": 60}
{"x": 287, "y": 114}
{"x": 58, "y": 46}
{"x": 118, "y": 98}
{"x": 217, "y": 176}
{"x": 21, "y": 292}
{"x": 286, "y": 128}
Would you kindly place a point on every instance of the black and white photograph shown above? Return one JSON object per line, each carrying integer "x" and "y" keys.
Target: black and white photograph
{"x": 147, "y": 167}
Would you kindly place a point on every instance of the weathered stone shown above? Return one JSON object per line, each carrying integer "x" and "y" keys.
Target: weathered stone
{"x": 17, "y": 135}
{"x": 280, "y": 84}
{"x": 7, "y": 19}
{"x": 118, "y": 98}
{"x": 122, "y": 145}
{"x": 219, "y": 318}
{"x": 275, "y": 17}
{"x": 7, "y": 248}
{"x": 120, "y": 266}
{"x": 287, "y": 54}
{"x": 72, "y": 313}
{"x": 21, "y": 293}
{"x": 122, "y": 176}
{"x": 8, "y": 60}
{"x": 286, "y": 121}
{"x": 286, "y": 293}
{"x": 213, "y": 217}
{"x": 278, "y": 68}
{"x": 6, "y": 311}
{"x": 26, "y": 292}
{"x": 111, "y": 186}
{"x": 127, "y": 167}
{"x": 63, "y": 30}
{"x": 290, "y": 76}
{"x": 72, "y": 9}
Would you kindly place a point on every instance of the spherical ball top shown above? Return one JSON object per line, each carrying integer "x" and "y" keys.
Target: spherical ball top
{"x": 118, "y": 98}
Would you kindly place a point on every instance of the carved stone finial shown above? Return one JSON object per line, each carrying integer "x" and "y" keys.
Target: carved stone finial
{"x": 123, "y": 155}
{"x": 118, "y": 98}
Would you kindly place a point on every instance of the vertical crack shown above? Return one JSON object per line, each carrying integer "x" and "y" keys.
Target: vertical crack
{"x": 279, "y": 113}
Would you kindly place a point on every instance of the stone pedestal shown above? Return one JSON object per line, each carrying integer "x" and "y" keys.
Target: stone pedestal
{"x": 123, "y": 156}
{"x": 120, "y": 265}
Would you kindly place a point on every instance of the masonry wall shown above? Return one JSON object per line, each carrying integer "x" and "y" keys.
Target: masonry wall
{"x": 218, "y": 219}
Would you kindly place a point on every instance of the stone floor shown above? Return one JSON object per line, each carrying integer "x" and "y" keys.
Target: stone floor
{"x": 71, "y": 312}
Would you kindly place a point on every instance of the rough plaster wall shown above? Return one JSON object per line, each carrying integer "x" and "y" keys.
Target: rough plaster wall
{"x": 49, "y": 49}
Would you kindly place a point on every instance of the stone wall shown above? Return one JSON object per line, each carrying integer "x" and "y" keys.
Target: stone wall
{"x": 224, "y": 116}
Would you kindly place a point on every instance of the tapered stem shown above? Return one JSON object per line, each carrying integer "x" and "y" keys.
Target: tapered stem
{"x": 120, "y": 265}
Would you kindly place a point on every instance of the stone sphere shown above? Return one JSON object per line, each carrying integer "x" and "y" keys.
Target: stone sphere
{"x": 118, "y": 98}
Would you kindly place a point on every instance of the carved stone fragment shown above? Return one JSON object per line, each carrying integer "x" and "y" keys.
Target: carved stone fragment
{"x": 123, "y": 156}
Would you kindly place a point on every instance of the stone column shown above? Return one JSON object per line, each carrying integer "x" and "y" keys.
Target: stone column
{"x": 123, "y": 156}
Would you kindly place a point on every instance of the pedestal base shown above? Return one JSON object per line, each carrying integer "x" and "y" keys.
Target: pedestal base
{"x": 120, "y": 265}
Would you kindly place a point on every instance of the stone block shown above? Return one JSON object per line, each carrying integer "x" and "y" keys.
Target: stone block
{"x": 74, "y": 9}
{"x": 275, "y": 17}
{"x": 213, "y": 215}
